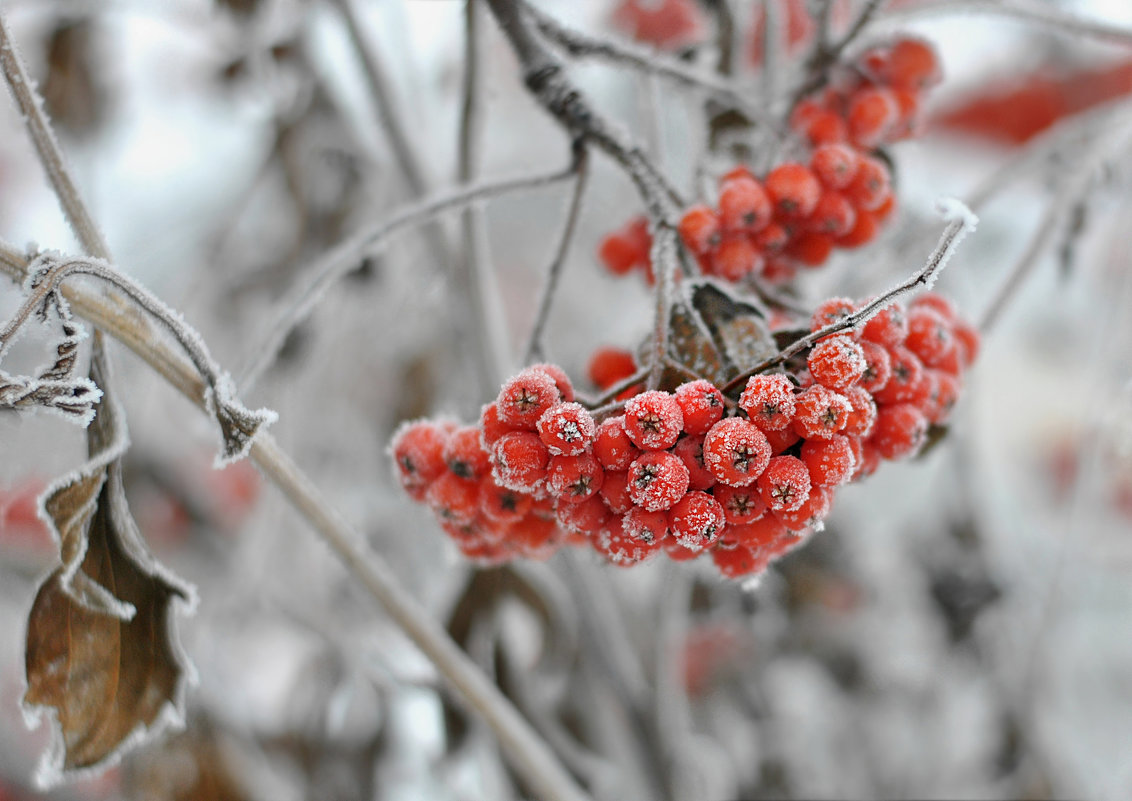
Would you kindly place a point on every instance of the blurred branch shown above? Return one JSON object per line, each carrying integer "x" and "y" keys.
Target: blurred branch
{"x": 826, "y": 53}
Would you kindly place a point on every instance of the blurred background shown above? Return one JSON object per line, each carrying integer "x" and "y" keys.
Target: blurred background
{"x": 960, "y": 629}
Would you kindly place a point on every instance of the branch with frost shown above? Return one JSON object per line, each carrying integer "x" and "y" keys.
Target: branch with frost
{"x": 962, "y": 222}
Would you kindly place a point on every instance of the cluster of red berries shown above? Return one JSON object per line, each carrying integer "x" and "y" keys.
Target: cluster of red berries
{"x": 797, "y": 214}
{"x": 671, "y": 473}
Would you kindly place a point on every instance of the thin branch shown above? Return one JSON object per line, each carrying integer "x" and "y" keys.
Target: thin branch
{"x": 344, "y": 257}
{"x": 664, "y": 258}
{"x": 527, "y": 751}
{"x": 534, "y": 349}
{"x": 772, "y": 57}
{"x": 962, "y": 222}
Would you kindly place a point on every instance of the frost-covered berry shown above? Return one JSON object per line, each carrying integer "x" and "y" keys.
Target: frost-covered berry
{"x": 464, "y": 454}
{"x": 836, "y": 362}
{"x": 810, "y": 248}
{"x": 782, "y": 440}
{"x": 736, "y": 451}
{"x": 740, "y": 504}
{"x": 861, "y": 419}
{"x": 793, "y": 189}
{"x": 501, "y": 505}
{"x": 696, "y": 520}
{"x": 887, "y": 327}
{"x": 835, "y": 165}
{"x": 608, "y": 365}
{"x": 657, "y": 480}
{"x": 871, "y": 186}
{"x": 574, "y": 478}
{"x": 878, "y": 366}
{"x": 830, "y": 461}
{"x": 820, "y": 412}
{"x": 785, "y": 484}
{"x": 653, "y": 420}
{"x": 519, "y": 461}
{"x": 701, "y": 404}
{"x": 454, "y": 498}
{"x": 969, "y": 340}
{"x": 873, "y": 112}
{"x": 768, "y": 401}
{"x": 757, "y": 534}
{"x": 907, "y": 372}
{"x": 736, "y": 257}
{"x": 612, "y": 445}
{"x": 646, "y": 526}
{"x": 566, "y": 429}
{"x": 929, "y": 335}
{"x": 900, "y": 430}
{"x": 418, "y": 452}
{"x": 561, "y": 380}
{"x": 586, "y": 517}
{"x": 699, "y": 229}
{"x": 677, "y": 552}
{"x": 738, "y": 562}
{"x": 946, "y": 393}
{"x": 615, "y": 491}
{"x": 912, "y": 63}
{"x": 864, "y": 230}
{"x": 616, "y": 545}
{"x": 743, "y": 205}
{"x": 831, "y": 311}
{"x": 691, "y": 453}
{"x": 492, "y": 426}
{"x": 834, "y": 214}
{"x": 524, "y": 398}
{"x": 809, "y": 514}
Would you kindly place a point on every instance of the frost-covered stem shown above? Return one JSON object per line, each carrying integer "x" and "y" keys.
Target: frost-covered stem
{"x": 664, "y": 257}
{"x": 1042, "y": 13}
{"x": 962, "y": 223}
{"x": 486, "y": 307}
{"x": 528, "y": 753}
{"x": 724, "y": 34}
{"x": 534, "y": 349}
{"x": 772, "y": 30}
{"x": 342, "y": 258}
{"x": 825, "y": 55}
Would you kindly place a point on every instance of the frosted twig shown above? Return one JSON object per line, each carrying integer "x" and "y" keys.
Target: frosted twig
{"x": 342, "y": 258}
{"x": 527, "y": 751}
{"x": 962, "y": 222}
{"x": 663, "y": 257}
{"x": 772, "y": 57}
{"x": 534, "y": 349}
{"x": 1042, "y": 13}
{"x": 724, "y": 34}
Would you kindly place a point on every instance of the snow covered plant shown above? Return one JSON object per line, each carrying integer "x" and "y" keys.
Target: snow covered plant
{"x": 731, "y": 290}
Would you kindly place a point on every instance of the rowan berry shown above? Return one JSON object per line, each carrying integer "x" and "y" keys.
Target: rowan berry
{"x": 561, "y": 380}
{"x": 768, "y": 401}
{"x": 648, "y": 527}
{"x": 785, "y": 484}
{"x": 884, "y": 211}
{"x": 653, "y": 420}
{"x": 900, "y": 430}
{"x": 830, "y": 311}
{"x": 873, "y": 111}
{"x": 418, "y": 452}
{"x": 492, "y": 426}
{"x": 820, "y": 412}
{"x": 834, "y": 215}
{"x": 701, "y": 403}
{"x": 464, "y": 454}
{"x": 740, "y": 504}
{"x": 454, "y": 498}
{"x": 907, "y": 370}
{"x": 888, "y": 327}
{"x": 813, "y": 511}
{"x": 793, "y": 189}
{"x": 622, "y": 254}
{"x": 969, "y": 339}
{"x": 945, "y": 395}
{"x": 772, "y": 239}
{"x": 612, "y": 445}
{"x": 519, "y": 461}
{"x": 912, "y": 64}
{"x": 878, "y": 366}
{"x": 938, "y": 303}
{"x": 574, "y": 478}
{"x": 835, "y": 165}
{"x": 620, "y": 548}
{"x": 743, "y": 205}
{"x": 609, "y": 365}
{"x": 483, "y": 552}
{"x": 501, "y": 505}
{"x": 699, "y": 229}
{"x": 740, "y": 561}
{"x": 861, "y": 419}
{"x": 865, "y": 230}
{"x": 524, "y": 398}
{"x": 871, "y": 186}
{"x": 810, "y": 248}
{"x": 566, "y": 429}
{"x": 782, "y": 439}
{"x": 836, "y": 362}
{"x": 735, "y": 258}
{"x": 823, "y": 128}
{"x": 691, "y": 453}
{"x": 696, "y": 520}
{"x": 778, "y": 270}
{"x": 667, "y": 24}
{"x": 657, "y": 480}
{"x": 534, "y": 535}
{"x": 615, "y": 491}
{"x": 586, "y": 517}
{"x": 929, "y": 335}
{"x": 736, "y": 451}
{"x": 829, "y": 461}
{"x": 677, "y": 552}
{"x": 756, "y": 534}
{"x": 869, "y": 461}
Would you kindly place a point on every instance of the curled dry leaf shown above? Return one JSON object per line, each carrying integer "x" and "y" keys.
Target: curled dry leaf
{"x": 101, "y": 652}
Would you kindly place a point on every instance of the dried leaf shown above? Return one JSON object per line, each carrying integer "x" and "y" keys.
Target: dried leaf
{"x": 101, "y": 655}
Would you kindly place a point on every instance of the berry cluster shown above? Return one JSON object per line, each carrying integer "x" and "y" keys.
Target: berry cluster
{"x": 672, "y": 473}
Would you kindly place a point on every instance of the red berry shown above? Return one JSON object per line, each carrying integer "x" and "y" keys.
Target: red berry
{"x": 677, "y": 552}
{"x": 809, "y": 514}
{"x": 888, "y": 327}
{"x": 454, "y": 498}
{"x": 810, "y": 248}
{"x": 736, "y": 451}
{"x": 819, "y": 413}
{"x": 793, "y": 190}
{"x": 743, "y": 205}
{"x": 735, "y": 258}
{"x": 609, "y": 365}
{"x": 865, "y": 230}
{"x": 653, "y": 420}
{"x": 667, "y": 24}
{"x": 740, "y": 504}
{"x": 612, "y": 445}
{"x": 524, "y": 398}
{"x": 561, "y": 380}
{"x": 836, "y": 362}
{"x": 691, "y": 453}
{"x": 738, "y": 562}
{"x": 869, "y": 461}
{"x": 941, "y": 305}
{"x": 878, "y": 366}
{"x": 615, "y": 491}
{"x": 772, "y": 239}
{"x": 519, "y": 461}
{"x": 696, "y": 520}
{"x": 657, "y": 480}
{"x": 501, "y": 505}
{"x": 969, "y": 340}
{"x": 587, "y": 517}
{"x": 873, "y": 111}
{"x": 871, "y": 186}
{"x": 835, "y": 165}
{"x": 834, "y": 215}
{"x": 492, "y": 426}
{"x": 574, "y": 478}
{"x": 621, "y": 255}
{"x": 912, "y": 64}
{"x": 785, "y": 484}
{"x": 464, "y": 454}
{"x": 900, "y": 430}
{"x": 824, "y": 128}
{"x": 418, "y": 452}
{"x": 830, "y": 462}
{"x": 701, "y": 404}
{"x": 864, "y": 414}
{"x": 566, "y": 429}
{"x": 929, "y": 335}
{"x": 831, "y": 311}
{"x": 620, "y": 548}
{"x": 534, "y": 536}
{"x": 946, "y": 388}
{"x": 756, "y": 534}
{"x": 699, "y": 229}
{"x": 648, "y": 527}
{"x": 768, "y": 401}
{"x": 782, "y": 439}
{"x": 907, "y": 370}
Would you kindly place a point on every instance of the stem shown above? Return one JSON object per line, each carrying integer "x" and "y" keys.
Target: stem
{"x": 772, "y": 35}
{"x": 962, "y": 223}
{"x": 534, "y": 349}
{"x": 341, "y": 259}
{"x": 528, "y": 753}
{"x": 663, "y": 257}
